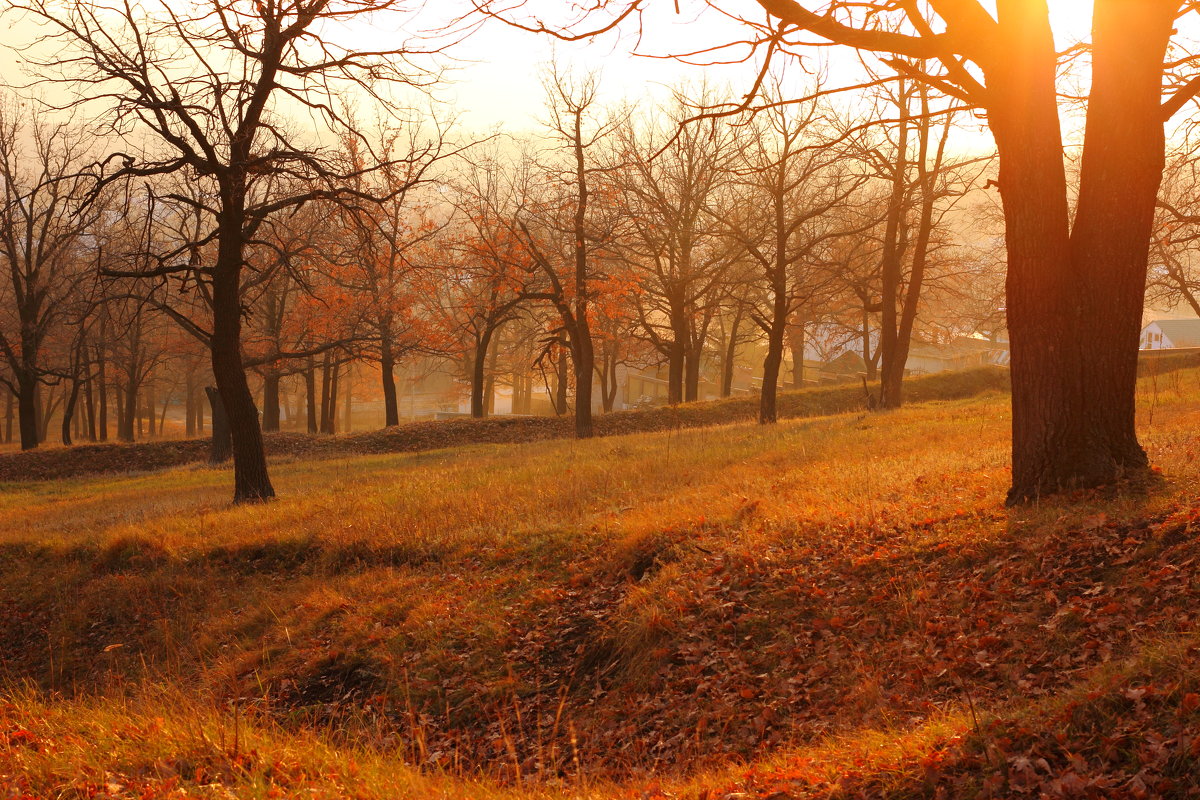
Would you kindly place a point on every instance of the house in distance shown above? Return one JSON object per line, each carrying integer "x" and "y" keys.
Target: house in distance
{"x": 1168, "y": 334}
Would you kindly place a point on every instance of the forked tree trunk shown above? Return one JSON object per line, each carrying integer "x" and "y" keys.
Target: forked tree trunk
{"x": 1075, "y": 298}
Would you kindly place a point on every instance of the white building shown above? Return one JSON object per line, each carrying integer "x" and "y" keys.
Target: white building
{"x": 1165, "y": 334}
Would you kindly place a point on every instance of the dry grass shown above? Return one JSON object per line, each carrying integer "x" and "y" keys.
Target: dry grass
{"x": 451, "y": 608}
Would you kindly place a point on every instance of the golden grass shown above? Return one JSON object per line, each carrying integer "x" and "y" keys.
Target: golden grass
{"x": 153, "y": 607}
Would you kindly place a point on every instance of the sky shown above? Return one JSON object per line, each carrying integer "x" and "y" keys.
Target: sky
{"x": 496, "y": 82}
{"x": 494, "y": 73}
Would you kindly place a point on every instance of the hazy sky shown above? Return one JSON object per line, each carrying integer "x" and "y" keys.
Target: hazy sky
{"x": 496, "y": 70}
{"x": 501, "y": 87}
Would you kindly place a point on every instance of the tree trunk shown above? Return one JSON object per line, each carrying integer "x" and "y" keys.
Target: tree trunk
{"x": 891, "y": 267}
{"x": 102, "y": 389}
{"x": 222, "y": 445}
{"x": 326, "y": 379}
{"x": 387, "y": 365}
{"x": 43, "y": 409}
{"x": 796, "y": 345}
{"x": 69, "y": 411}
{"x": 128, "y": 421}
{"x": 27, "y": 411}
{"x": 310, "y": 397}
{"x": 767, "y": 407}
{"x": 489, "y": 384}
{"x": 189, "y": 411}
{"x": 867, "y": 356}
{"x": 150, "y": 406}
{"x": 251, "y": 481}
{"x": 675, "y": 370}
{"x": 730, "y": 356}
{"x": 9, "y": 410}
{"x": 691, "y": 374}
{"x": 561, "y": 384}
{"x": 89, "y": 404}
{"x": 1075, "y": 300}
{"x": 347, "y": 409}
{"x": 162, "y": 416}
{"x": 478, "y": 373}
{"x": 584, "y": 360}
{"x": 270, "y": 414}
{"x": 329, "y": 383}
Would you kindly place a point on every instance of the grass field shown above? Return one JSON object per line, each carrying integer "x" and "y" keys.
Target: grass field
{"x": 833, "y": 606}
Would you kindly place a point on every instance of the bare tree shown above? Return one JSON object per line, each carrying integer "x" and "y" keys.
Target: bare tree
{"x": 210, "y": 84}
{"x": 47, "y": 211}
{"x": 787, "y": 184}
{"x": 1076, "y": 281}
{"x": 669, "y": 183}
{"x": 570, "y": 232}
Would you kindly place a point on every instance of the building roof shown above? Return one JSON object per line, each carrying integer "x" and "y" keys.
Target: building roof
{"x": 1181, "y": 332}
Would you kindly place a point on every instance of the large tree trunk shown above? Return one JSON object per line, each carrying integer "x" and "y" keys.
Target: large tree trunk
{"x": 251, "y": 481}
{"x": 1075, "y": 300}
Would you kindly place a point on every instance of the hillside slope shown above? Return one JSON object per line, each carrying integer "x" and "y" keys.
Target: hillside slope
{"x": 832, "y": 607}
{"x": 51, "y": 462}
